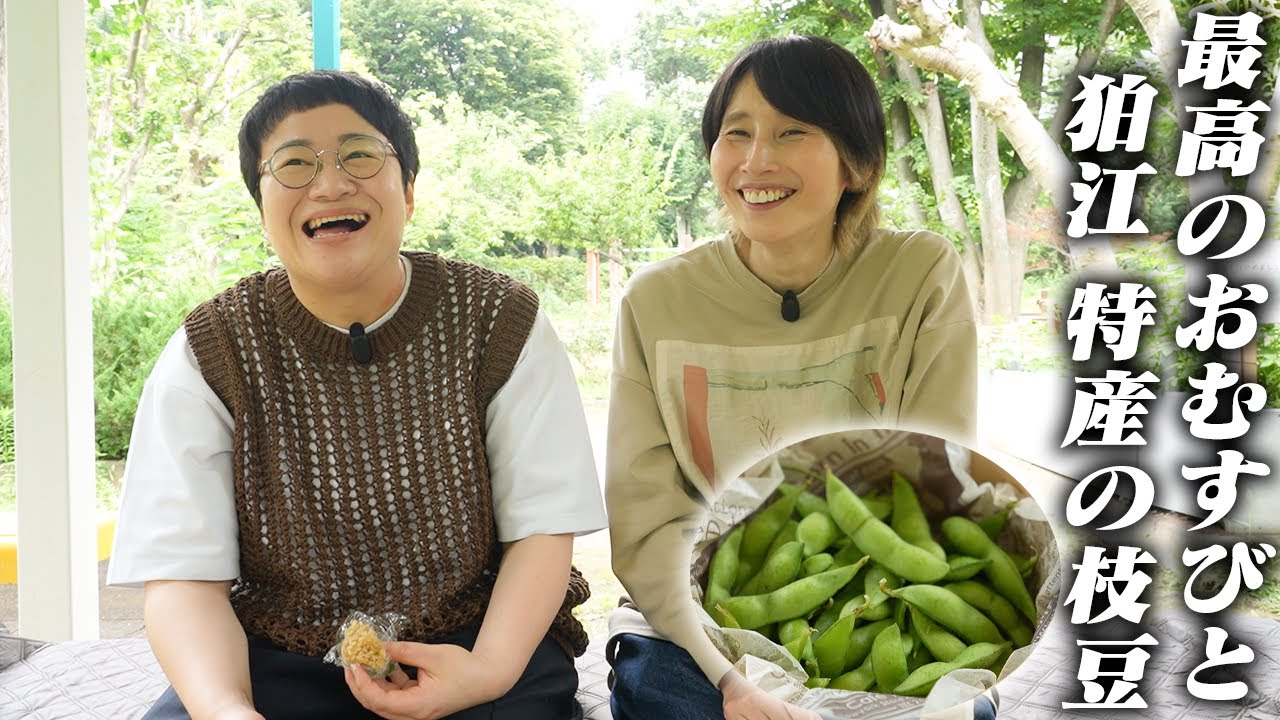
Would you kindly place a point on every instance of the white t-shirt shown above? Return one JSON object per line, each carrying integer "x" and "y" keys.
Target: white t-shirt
{"x": 177, "y": 516}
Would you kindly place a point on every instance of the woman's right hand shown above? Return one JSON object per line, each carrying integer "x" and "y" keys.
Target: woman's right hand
{"x": 744, "y": 701}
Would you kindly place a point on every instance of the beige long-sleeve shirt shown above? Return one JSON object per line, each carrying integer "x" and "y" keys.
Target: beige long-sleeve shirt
{"x": 708, "y": 379}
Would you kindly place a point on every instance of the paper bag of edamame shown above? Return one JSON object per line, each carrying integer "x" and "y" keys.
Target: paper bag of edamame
{"x": 877, "y": 574}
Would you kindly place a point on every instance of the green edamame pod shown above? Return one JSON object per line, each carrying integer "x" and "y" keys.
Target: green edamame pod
{"x": 860, "y": 679}
{"x": 1001, "y": 612}
{"x": 808, "y": 503}
{"x": 817, "y": 682}
{"x": 947, "y": 609}
{"x": 723, "y": 571}
{"x": 993, "y": 524}
{"x": 941, "y": 644}
{"x": 779, "y": 569}
{"x": 826, "y": 618}
{"x": 880, "y": 505}
{"x": 964, "y": 567}
{"x": 980, "y": 655}
{"x": 888, "y": 661}
{"x": 785, "y": 535}
{"x": 795, "y": 599}
{"x": 849, "y": 554}
{"x": 724, "y": 618}
{"x": 790, "y": 490}
{"x": 1026, "y": 563}
{"x": 760, "y": 532}
{"x": 829, "y": 647}
{"x": 920, "y": 682}
{"x": 860, "y": 641}
{"x": 795, "y": 648}
{"x": 918, "y": 656}
{"x": 967, "y": 537}
{"x": 877, "y": 607}
{"x": 810, "y": 667}
{"x": 855, "y": 606}
{"x": 815, "y": 564}
{"x": 908, "y": 519}
{"x": 816, "y": 531}
{"x": 879, "y": 540}
{"x": 791, "y": 629}
{"x": 922, "y": 679}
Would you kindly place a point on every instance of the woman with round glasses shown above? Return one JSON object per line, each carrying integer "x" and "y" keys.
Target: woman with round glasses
{"x": 363, "y": 429}
{"x": 807, "y": 318}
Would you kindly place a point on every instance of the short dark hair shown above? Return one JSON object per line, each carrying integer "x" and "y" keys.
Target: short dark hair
{"x": 305, "y": 91}
{"x": 820, "y": 83}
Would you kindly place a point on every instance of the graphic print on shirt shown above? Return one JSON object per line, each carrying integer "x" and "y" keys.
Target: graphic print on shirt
{"x": 739, "y": 404}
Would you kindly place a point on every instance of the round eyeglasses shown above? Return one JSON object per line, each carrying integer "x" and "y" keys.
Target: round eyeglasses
{"x": 295, "y": 166}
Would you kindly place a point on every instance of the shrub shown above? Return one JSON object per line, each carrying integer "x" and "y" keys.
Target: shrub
{"x": 130, "y": 327}
{"x": 1269, "y": 362}
{"x": 559, "y": 281}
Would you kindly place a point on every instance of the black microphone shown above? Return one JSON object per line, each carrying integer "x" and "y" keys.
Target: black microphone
{"x": 361, "y": 346}
{"x": 790, "y": 306}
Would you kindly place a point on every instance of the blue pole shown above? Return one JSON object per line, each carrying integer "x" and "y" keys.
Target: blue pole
{"x": 324, "y": 33}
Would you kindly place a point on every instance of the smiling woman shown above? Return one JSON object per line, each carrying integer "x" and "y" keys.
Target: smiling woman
{"x": 360, "y": 430}
{"x": 805, "y": 319}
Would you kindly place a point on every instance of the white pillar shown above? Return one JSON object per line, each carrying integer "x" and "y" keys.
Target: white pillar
{"x": 52, "y": 323}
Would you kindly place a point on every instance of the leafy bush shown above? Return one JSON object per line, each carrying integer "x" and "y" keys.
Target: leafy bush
{"x": 1269, "y": 362}
{"x": 1157, "y": 264}
{"x": 6, "y": 435}
{"x": 559, "y": 281}
{"x": 130, "y": 327}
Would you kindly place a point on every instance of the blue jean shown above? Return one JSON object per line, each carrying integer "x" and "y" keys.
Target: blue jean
{"x": 289, "y": 686}
{"x": 658, "y": 679}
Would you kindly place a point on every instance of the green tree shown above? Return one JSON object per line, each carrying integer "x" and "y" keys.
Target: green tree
{"x": 474, "y": 180}
{"x": 169, "y": 81}
{"x": 613, "y": 190}
{"x": 517, "y": 56}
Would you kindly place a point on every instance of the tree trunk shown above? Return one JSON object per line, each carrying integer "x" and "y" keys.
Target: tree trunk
{"x": 999, "y": 287}
{"x": 937, "y": 44}
{"x": 684, "y": 234}
{"x": 900, "y": 130}
{"x": 933, "y": 128}
{"x": 1160, "y": 21}
{"x": 1021, "y": 194}
{"x": 1263, "y": 182}
{"x": 899, "y": 122}
{"x": 6, "y": 233}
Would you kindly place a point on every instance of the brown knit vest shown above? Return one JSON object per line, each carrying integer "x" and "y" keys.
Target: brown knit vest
{"x": 366, "y": 487}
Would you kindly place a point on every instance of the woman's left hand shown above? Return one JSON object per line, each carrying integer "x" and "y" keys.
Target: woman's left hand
{"x": 450, "y": 679}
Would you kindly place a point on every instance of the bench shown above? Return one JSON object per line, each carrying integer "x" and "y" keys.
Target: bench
{"x": 119, "y": 679}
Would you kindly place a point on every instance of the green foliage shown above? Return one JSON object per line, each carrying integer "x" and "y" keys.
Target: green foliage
{"x": 1269, "y": 362}
{"x": 611, "y": 191}
{"x": 1156, "y": 264}
{"x": 130, "y": 328}
{"x": 474, "y": 179}
{"x": 1021, "y": 346}
{"x": 670, "y": 47}
{"x": 6, "y": 435}
{"x": 169, "y": 81}
{"x": 560, "y": 282}
{"x": 519, "y": 55}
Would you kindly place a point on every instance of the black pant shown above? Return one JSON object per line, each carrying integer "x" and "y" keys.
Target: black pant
{"x": 288, "y": 685}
